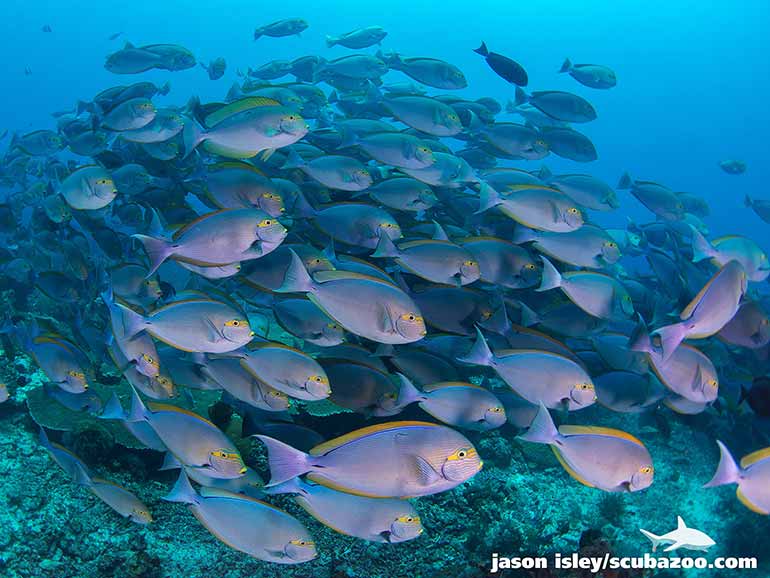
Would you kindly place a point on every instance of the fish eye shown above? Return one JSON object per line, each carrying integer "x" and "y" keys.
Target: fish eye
{"x": 409, "y": 317}
{"x": 713, "y": 382}
{"x": 265, "y": 223}
{"x": 470, "y": 263}
{"x": 572, "y": 211}
{"x": 530, "y": 266}
{"x": 276, "y": 393}
{"x": 496, "y": 409}
{"x": 646, "y": 469}
{"x": 233, "y": 323}
{"x": 461, "y": 454}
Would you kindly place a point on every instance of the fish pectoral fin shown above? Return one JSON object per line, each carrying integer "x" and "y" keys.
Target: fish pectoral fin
{"x": 386, "y": 320}
{"x": 697, "y": 380}
{"x": 426, "y": 473}
{"x": 266, "y": 154}
{"x": 215, "y": 336}
{"x": 557, "y": 216}
{"x": 386, "y": 535}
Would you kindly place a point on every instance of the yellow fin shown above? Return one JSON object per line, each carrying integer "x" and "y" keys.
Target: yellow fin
{"x": 569, "y": 469}
{"x": 229, "y": 110}
{"x": 324, "y": 276}
{"x": 754, "y": 457}
{"x": 156, "y": 407}
{"x": 240, "y": 165}
{"x": 318, "y": 479}
{"x": 359, "y": 433}
{"x": 748, "y": 503}
{"x": 569, "y": 430}
{"x": 444, "y": 384}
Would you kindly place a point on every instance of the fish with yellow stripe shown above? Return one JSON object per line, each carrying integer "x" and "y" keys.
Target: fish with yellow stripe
{"x": 392, "y": 460}
{"x": 385, "y": 520}
{"x": 246, "y": 524}
{"x": 599, "y": 457}
{"x": 246, "y": 127}
{"x": 752, "y": 477}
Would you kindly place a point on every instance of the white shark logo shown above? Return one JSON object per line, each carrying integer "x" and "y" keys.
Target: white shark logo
{"x": 682, "y": 537}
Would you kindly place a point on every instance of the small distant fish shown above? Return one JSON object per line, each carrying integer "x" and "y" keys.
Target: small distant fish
{"x": 591, "y": 75}
{"x": 216, "y": 68}
{"x": 287, "y": 27}
{"x": 115, "y": 36}
{"x": 733, "y": 167}
{"x": 760, "y": 206}
{"x": 503, "y": 66}
{"x": 116, "y": 497}
{"x": 46, "y": 28}
{"x": 557, "y": 104}
{"x": 4, "y": 394}
{"x": 360, "y": 38}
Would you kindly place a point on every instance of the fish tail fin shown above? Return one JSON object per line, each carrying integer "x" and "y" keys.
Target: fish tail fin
{"x": 158, "y": 250}
{"x": 482, "y": 49}
{"x": 639, "y": 340}
{"x": 521, "y": 96}
{"x": 498, "y": 322}
{"x": 192, "y": 135}
{"x": 132, "y": 322}
{"x": 43, "y": 438}
{"x": 165, "y": 88}
{"x": 566, "y": 66}
{"x": 170, "y": 462}
{"x": 542, "y": 430}
{"x": 285, "y": 462}
{"x": 701, "y": 248}
{"x": 292, "y": 486}
{"x": 330, "y": 41}
{"x": 670, "y": 337}
{"x": 523, "y": 235}
{"x": 407, "y": 392}
{"x": 138, "y": 410}
{"x": 488, "y": 198}
{"x": 113, "y": 409}
{"x": 384, "y": 350}
{"x": 385, "y": 247}
{"x": 747, "y": 201}
{"x": 81, "y": 476}
{"x": 349, "y": 139}
{"x": 529, "y": 316}
{"x": 293, "y": 161}
{"x": 625, "y": 181}
{"x": 296, "y": 279}
{"x": 480, "y": 354}
{"x": 182, "y": 491}
{"x": 727, "y": 472}
{"x": 544, "y": 174}
{"x": 257, "y": 33}
{"x": 656, "y": 540}
{"x": 551, "y": 276}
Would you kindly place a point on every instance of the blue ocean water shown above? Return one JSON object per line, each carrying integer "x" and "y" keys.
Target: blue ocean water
{"x": 693, "y": 83}
{"x": 692, "y": 89}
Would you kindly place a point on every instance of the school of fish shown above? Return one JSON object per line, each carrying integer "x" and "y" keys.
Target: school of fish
{"x": 382, "y": 226}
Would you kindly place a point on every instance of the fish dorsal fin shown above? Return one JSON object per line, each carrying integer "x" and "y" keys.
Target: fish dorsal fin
{"x": 326, "y": 447}
{"x": 157, "y": 407}
{"x": 183, "y": 302}
{"x": 755, "y": 457}
{"x": 446, "y": 384}
{"x": 688, "y": 311}
{"x": 680, "y": 525}
{"x": 569, "y": 469}
{"x": 523, "y": 187}
{"x": 224, "y": 165}
{"x": 422, "y": 242}
{"x": 52, "y": 341}
{"x": 183, "y": 229}
{"x": 568, "y": 430}
{"x": 337, "y": 275}
{"x": 229, "y": 110}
